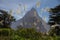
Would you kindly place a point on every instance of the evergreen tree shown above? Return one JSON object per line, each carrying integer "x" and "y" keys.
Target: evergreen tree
{"x": 55, "y": 19}
{"x": 54, "y": 15}
{"x": 5, "y": 19}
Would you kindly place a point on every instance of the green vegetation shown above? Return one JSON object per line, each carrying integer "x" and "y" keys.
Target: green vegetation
{"x": 25, "y": 34}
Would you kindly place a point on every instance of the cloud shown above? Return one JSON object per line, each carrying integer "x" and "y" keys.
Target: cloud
{"x": 19, "y": 10}
{"x": 11, "y": 12}
{"x": 45, "y": 9}
{"x": 38, "y": 4}
{"x": 25, "y": 7}
{"x": 44, "y": 18}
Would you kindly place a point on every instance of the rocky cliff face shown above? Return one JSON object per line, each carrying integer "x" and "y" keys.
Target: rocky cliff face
{"x": 32, "y": 20}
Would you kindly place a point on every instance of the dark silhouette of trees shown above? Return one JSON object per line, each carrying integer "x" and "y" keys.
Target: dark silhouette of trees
{"x": 5, "y": 19}
{"x": 55, "y": 20}
{"x": 54, "y": 15}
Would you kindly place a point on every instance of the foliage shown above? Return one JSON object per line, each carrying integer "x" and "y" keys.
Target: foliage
{"x": 5, "y": 19}
{"x": 25, "y": 34}
{"x": 55, "y": 20}
{"x": 29, "y": 33}
{"x": 54, "y": 15}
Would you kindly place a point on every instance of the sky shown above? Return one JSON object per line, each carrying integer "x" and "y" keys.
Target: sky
{"x": 18, "y": 8}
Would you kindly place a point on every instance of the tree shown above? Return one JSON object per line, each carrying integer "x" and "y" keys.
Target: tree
{"x": 54, "y": 15}
{"x": 55, "y": 19}
{"x": 5, "y": 19}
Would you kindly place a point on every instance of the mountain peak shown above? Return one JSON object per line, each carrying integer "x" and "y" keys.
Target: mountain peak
{"x": 32, "y": 13}
{"x": 32, "y": 19}
{"x": 33, "y": 9}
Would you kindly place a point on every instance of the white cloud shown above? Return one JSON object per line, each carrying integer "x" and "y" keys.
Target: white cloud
{"x": 38, "y": 4}
{"x": 45, "y": 9}
{"x": 25, "y": 7}
{"x": 44, "y": 18}
{"x": 11, "y": 12}
{"x": 18, "y": 10}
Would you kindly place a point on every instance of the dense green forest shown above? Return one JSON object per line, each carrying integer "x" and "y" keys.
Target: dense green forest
{"x": 7, "y": 33}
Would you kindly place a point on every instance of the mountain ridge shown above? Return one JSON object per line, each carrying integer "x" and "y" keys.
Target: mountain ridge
{"x": 30, "y": 19}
